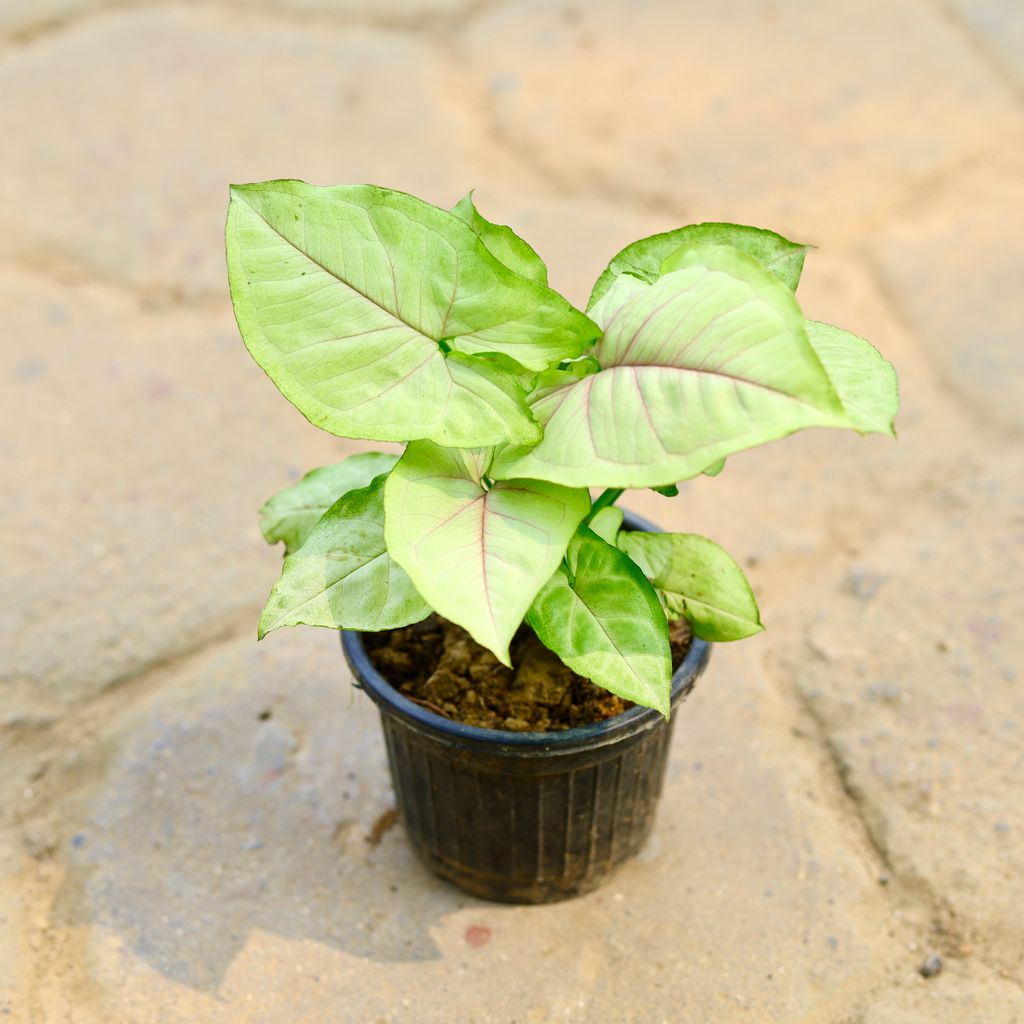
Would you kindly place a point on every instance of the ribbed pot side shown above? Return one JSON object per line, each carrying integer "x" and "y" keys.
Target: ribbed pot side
{"x": 525, "y": 817}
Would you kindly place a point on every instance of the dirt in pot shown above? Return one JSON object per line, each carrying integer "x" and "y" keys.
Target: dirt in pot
{"x": 441, "y": 667}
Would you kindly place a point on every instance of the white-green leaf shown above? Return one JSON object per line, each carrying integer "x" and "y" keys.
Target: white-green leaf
{"x": 477, "y": 553}
{"x": 502, "y": 242}
{"x": 607, "y": 523}
{"x": 866, "y": 383}
{"x": 644, "y": 258}
{"x": 709, "y": 360}
{"x": 353, "y": 299}
{"x": 291, "y": 514}
{"x": 342, "y": 576}
{"x": 698, "y": 578}
{"x": 600, "y": 615}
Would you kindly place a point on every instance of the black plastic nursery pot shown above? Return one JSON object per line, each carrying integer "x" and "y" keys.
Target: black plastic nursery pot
{"x": 525, "y": 817}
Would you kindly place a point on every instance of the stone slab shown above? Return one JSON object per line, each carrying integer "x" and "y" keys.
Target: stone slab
{"x": 999, "y": 27}
{"x": 954, "y": 266}
{"x": 810, "y": 119}
{"x": 232, "y": 859}
{"x": 25, "y": 20}
{"x": 965, "y": 992}
{"x": 910, "y": 658}
{"x": 151, "y": 113}
{"x": 137, "y": 447}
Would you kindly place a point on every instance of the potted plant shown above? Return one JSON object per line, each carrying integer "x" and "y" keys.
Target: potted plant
{"x": 458, "y": 567}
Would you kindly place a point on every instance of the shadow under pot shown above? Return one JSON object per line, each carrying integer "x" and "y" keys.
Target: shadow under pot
{"x": 525, "y": 817}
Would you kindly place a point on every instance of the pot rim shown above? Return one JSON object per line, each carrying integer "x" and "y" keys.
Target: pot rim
{"x": 596, "y": 734}
{"x": 581, "y": 737}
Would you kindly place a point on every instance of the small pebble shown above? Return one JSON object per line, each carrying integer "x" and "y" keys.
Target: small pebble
{"x": 932, "y": 965}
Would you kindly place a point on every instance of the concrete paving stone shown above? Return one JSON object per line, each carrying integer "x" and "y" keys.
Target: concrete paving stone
{"x": 966, "y": 992}
{"x": 386, "y": 12}
{"x": 24, "y": 17}
{"x": 218, "y": 868}
{"x": 806, "y": 118}
{"x": 20, "y": 20}
{"x": 999, "y": 26}
{"x": 13, "y": 967}
{"x": 910, "y": 658}
{"x": 150, "y": 114}
{"x": 137, "y": 447}
{"x": 953, "y": 264}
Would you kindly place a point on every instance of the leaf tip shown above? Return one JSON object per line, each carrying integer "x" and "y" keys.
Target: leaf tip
{"x": 266, "y": 624}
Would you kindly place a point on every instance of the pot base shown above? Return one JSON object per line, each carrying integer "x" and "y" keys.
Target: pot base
{"x": 555, "y": 830}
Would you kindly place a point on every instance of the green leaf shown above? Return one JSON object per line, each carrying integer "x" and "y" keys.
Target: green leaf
{"x": 607, "y": 523}
{"x": 599, "y": 614}
{"x": 644, "y": 258}
{"x": 709, "y": 360}
{"x": 342, "y": 576}
{"x": 355, "y": 299}
{"x": 715, "y": 468}
{"x": 866, "y": 382}
{"x": 502, "y": 242}
{"x": 290, "y": 514}
{"x": 667, "y": 490}
{"x": 477, "y": 553}
{"x": 698, "y": 578}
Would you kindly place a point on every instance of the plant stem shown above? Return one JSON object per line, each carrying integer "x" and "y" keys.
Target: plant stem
{"x": 604, "y": 500}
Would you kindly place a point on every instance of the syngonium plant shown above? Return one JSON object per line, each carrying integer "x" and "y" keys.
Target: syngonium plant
{"x": 381, "y": 317}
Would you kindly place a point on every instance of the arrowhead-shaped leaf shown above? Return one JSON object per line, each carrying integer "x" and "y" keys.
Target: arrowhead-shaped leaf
{"x": 502, "y": 242}
{"x": 353, "y": 299}
{"x": 709, "y": 360}
{"x": 600, "y": 615}
{"x": 477, "y": 553}
{"x": 866, "y": 383}
{"x": 643, "y": 259}
{"x": 291, "y": 514}
{"x": 698, "y": 578}
{"x": 343, "y": 576}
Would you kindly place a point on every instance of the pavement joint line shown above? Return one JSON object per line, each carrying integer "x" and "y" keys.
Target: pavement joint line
{"x": 422, "y": 25}
{"x": 41, "y": 30}
{"x": 921, "y": 195}
{"x": 992, "y": 59}
{"x": 910, "y": 886}
{"x": 63, "y": 270}
{"x": 913, "y": 887}
{"x": 606, "y": 187}
{"x": 993, "y": 431}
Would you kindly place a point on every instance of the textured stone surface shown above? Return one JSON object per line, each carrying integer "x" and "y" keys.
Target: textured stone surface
{"x": 24, "y": 20}
{"x": 913, "y": 665}
{"x": 965, "y": 992}
{"x": 810, "y": 117}
{"x": 999, "y": 29}
{"x": 137, "y": 447}
{"x": 27, "y": 20}
{"x": 151, "y": 114}
{"x": 955, "y": 264}
{"x": 226, "y": 844}
{"x": 211, "y": 839}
